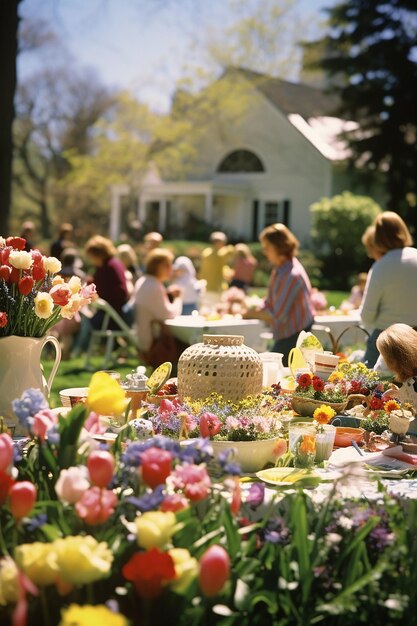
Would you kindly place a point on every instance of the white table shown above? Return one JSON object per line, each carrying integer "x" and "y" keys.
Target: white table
{"x": 338, "y": 329}
{"x": 190, "y": 329}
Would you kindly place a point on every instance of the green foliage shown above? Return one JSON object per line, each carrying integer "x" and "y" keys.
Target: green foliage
{"x": 368, "y": 54}
{"x": 338, "y": 225}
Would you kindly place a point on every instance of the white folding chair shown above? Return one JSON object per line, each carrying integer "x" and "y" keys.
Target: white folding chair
{"x": 123, "y": 332}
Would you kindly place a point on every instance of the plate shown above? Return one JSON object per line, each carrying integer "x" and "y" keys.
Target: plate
{"x": 105, "y": 437}
{"x": 287, "y": 476}
{"x": 159, "y": 377}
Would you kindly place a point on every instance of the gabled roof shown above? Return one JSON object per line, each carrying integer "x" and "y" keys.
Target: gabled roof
{"x": 291, "y": 97}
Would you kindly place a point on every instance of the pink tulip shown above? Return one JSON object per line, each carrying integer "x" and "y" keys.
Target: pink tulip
{"x": 214, "y": 570}
{"x": 100, "y": 467}
{"x": 22, "y": 497}
{"x": 193, "y": 480}
{"x": 166, "y": 406}
{"x": 6, "y": 451}
{"x": 42, "y": 422}
{"x": 72, "y": 484}
{"x": 210, "y": 425}
{"x": 173, "y": 502}
{"x": 156, "y": 466}
{"x": 96, "y": 505}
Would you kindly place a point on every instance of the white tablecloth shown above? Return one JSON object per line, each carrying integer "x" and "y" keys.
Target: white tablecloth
{"x": 336, "y": 325}
{"x": 190, "y": 329}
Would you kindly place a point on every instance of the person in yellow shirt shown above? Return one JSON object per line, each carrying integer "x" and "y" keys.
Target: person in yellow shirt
{"x": 213, "y": 263}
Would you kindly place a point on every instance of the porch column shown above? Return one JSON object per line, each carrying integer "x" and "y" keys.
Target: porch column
{"x": 142, "y": 209}
{"x": 208, "y": 207}
{"x": 116, "y": 192}
{"x": 162, "y": 218}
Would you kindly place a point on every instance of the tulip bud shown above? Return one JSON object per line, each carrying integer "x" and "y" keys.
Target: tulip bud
{"x": 156, "y": 466}
{"x": 22, "y": 497}
{"x": 100, "y": 466}
{"x": 214, "y": 570}
{"x": 6, "y": 451}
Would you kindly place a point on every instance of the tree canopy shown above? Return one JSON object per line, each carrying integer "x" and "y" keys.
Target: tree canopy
{"x": 369, "y": 54}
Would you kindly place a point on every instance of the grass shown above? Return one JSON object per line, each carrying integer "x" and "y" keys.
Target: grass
{"x": 72, "y": 373}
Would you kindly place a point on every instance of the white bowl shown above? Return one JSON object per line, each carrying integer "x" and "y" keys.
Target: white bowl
{"x": 72, "y": 396}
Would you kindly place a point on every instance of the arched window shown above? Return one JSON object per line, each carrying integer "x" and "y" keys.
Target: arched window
{"x": 241, "y": 161}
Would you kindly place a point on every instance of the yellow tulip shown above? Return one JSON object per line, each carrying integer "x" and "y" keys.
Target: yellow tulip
{"x": 82, "y": 559}
{"x": 155, "y": 528}
{"x": 9, "y": 590}
{"x": 38, "y": 561}
{"x": 88, "y": 615}
{"x": 186, "y": 568}
{"x": 105, "y": 395}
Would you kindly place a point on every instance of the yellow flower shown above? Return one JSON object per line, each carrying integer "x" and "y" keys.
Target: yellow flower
{"x": 186, "y": 568}
{"x": 20, "y": 259}
{"x": 43, "y": 305}
{"x": 88, "y": 615}
{"x": 155, "y": 528}
{"x": 105, "y": 395}
{"x": 82, "y": 560}
{"x": 9, "y": 590}
{"x": 52, "y": 264}
{"x": 391, "y": 405}
{"x": 57, "y": 280}
{"x": 38, "y": 561}
{"x": 335, "y": 376}
{"x": 323, "y": 414}
{"x": 74, "y": 284}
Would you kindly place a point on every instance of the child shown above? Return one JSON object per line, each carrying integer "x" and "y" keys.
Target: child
{"x": 184, "y": 276}
{"x": 398, "y": 347}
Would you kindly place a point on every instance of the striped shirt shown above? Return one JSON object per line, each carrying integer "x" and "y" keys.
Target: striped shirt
{"x": 288, "y": 299}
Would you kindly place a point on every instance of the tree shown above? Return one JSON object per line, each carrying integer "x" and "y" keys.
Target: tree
{"x": 338, "y": 225}
{"x": 8, "y": 51}
{"x": 370, "y": 57}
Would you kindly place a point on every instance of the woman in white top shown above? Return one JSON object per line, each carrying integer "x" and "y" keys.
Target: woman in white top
{"x": 152, "y": 299}
{"x": 390, "y": 295}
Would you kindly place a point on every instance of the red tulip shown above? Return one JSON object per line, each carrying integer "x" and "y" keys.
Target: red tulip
{"x": 214, "y": 570}
{"x": 37, "y": 257}
{"x": 4, "y": 255}
{"x": 60, "y": 294}
{"x": 6, "y": 481}
{"x": 38, "y": 272}
{"x": 149, "y": 571}
{"x": 14, "y": 275}
{"x": 4, "y": 320}
{"x": 156, "y": 466}
{"x": 18, "y": 243}
{"x": 210, "y": 425}
{"x": 5, "y": 271}
{"x": 22, "y": 497}
{"x": 100, "y": 467}
{"x": 6, "y": 451}
{"x": 25, "y": 285}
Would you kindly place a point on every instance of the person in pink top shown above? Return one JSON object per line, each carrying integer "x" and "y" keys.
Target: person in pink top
{"x": 244, "y": 264}
{"x": 288, "y": 306}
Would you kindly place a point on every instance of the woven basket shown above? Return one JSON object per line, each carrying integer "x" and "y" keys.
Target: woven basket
{"x": 306, "y": 406}
{"x": 220, "y": 364}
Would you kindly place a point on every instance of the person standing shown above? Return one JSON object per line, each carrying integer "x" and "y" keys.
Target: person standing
{"x": 287, "y": 308}
{"x": 390, "y": 294}
{"x": 244, "y": 265}
{"x": 213, "y": 261}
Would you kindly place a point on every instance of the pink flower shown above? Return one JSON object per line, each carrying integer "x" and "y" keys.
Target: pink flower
{"x": 193, "y": 480}
{"x": 60, "y": 294}
{"x": 173, "y": 502}
{"x": 71, "y": 484}
{"x": 280, "y": 448}
{"x": 88, "y": 294}
{"x": 100, "y": 465}
{"x": 165, "y": 406}
{"x": 42, "y": 422}
{"x": 190, "y": 423}
{"x": 210, "y": 425}
{"x": 93, "y": 424}
{"x": 214, "y": 570}
{"x": 22, "y": 497}
{"x": 96, "y": 505}
{"x": 6, "y": 451}
{"x": 3, "y": 319}
{"x": 156, "y": 466}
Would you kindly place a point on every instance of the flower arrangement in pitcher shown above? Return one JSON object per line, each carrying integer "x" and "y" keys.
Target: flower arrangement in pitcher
{"x": 33, "y": 296}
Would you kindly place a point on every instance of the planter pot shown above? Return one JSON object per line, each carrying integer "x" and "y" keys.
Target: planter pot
{"x": 252, "y": 456}
{"x": 20, "y": 369}
{"x": 306, "y": 406}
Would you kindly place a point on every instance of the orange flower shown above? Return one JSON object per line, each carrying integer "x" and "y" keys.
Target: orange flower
{"x": 391, "y": 405}
{"x": 280, "y": 448}
{"x": 308, "y": 445}
{"x": 323, "y": 414}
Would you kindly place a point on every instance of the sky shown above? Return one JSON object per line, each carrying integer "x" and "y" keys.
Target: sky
{"x": 139, "y": 45}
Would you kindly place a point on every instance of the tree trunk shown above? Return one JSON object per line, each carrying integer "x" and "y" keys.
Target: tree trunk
{"x": 9, "y": 20}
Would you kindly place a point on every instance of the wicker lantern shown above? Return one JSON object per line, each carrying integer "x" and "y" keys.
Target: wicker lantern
{"x": 221, "y": 364}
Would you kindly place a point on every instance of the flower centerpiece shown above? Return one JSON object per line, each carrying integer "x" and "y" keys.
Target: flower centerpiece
{"x": 312, "y": 391}
{"x": 138, "y": 533}
{"x": 33, "y": 296}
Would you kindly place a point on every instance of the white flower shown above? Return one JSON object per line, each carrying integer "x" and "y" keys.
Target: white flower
{"x": 74, "y": 284}
{"x": 71, "y": 484}
{"x": 345, "y": 522}
{"x": 43, "y": 305}
{"x": 52, "y": 264}
{"x": 20, "y": 259}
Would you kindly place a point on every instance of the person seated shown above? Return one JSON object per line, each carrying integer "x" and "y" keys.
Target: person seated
{"x": 318, "y": 300}
{"x": 243, "y": 267}
{"x": 152, "y": 298}
{"x": 184, "y": 276}
{"x": 356, "y": 294}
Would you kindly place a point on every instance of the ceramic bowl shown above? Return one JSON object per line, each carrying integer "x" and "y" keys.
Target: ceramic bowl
{"x": 73, "y": 395}
{"x": 345, "y": 435}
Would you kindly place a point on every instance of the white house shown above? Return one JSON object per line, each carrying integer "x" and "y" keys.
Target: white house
{"x": 267, "y": 166}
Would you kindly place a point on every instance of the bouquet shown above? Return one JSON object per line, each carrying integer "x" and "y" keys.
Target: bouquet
{"x": 314, "y": 387}
{"x": 33, "y": 296}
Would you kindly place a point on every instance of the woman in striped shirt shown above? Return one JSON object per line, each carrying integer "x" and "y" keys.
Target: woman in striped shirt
{"x": 288, "y": 307}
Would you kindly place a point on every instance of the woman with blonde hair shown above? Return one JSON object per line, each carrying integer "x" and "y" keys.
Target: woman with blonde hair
{"x": 288, "y": 306}
{"x": 391, "y": 288}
